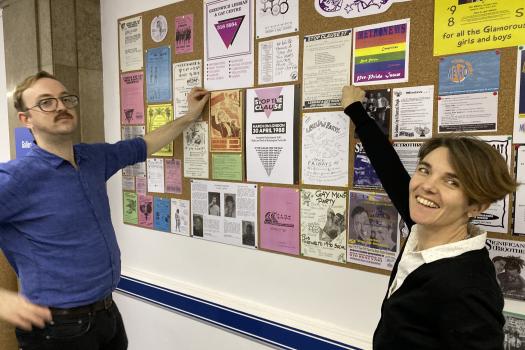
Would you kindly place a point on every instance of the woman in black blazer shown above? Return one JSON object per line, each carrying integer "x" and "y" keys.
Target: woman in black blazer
{"x": 442, "y": 293}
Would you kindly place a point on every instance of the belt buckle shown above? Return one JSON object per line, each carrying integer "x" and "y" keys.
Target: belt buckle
{"x": 108, "y": 301}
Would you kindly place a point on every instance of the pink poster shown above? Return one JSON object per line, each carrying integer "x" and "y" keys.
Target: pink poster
{"x": 146, "y": 211}
{"x": 132, "y": 98}
{"x": 184, "y": 34}
{"x": 141, "y": 184}
{"x": 172, "y": 176}
{"x": 279, "y": 217}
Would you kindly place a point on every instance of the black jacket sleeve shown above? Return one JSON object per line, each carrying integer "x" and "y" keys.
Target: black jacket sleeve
{"x": 384, "y": 159}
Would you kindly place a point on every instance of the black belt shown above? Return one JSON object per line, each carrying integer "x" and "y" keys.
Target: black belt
{"x": 100, "y": 305}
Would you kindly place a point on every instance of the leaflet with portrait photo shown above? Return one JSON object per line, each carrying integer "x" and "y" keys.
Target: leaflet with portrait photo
{"x": 508, "y": 257}
{"x": 323, "y": 224}
{"x": 224, "y": 212}
{"x": 270, "y": 134}
{"x": 373, "y": 238}
{"x": 326, "y": 68}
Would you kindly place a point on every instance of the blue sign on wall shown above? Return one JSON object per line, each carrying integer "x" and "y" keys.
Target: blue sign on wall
{"x": 23, "y": 141}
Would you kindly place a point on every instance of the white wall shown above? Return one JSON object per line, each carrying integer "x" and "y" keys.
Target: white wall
{"x": 4, "y": 121}
{"x": 335, "y": 302}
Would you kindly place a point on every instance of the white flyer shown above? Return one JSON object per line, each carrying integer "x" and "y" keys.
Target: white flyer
{"x": 224, "y": 212}
{"x": 278, "y": 60}
{"x": 325, "y": 149}
{"x": 352, "y": 8}
{"x": 195, "y": 139}
{"x": 326, "y": 68}
{"x": 130, "y": 44}
{"x": 270, "y": 134}
{"x": 130, "y": 132}
{"x": 408, "y": 153}
{"x": 519, "y": 199}
{"x": 276, "y": 17}
{"x": 155, "y": 168}
{"x": 186, "y": 75}
{"x": 519, "y": 108}
{"x": 323, "y": 224}
{"x": 228, "y": 44}
{"x": 180, "y": 216}
{"x": 496, "y": 217}
{"x": 412, "y": 113}
{"x": 468, "y": 112}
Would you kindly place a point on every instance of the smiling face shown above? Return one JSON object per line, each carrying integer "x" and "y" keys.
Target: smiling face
{"x": 62, "y": 122}
{"x": 437, "y": 199}
{"x": 361, "y": 224}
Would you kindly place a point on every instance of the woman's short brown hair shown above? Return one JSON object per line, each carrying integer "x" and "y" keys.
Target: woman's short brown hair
{"x": 26, "y": 84}
{"x": 482, "y": 171}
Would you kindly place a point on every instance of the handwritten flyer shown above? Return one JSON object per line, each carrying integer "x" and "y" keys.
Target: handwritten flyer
{"x": 279, "y": 60}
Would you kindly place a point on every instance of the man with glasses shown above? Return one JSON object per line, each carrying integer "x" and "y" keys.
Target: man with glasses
{"x": 55, "y": 224}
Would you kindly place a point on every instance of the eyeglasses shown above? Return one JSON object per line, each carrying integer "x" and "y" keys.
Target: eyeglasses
{"x": 51, "y": 104}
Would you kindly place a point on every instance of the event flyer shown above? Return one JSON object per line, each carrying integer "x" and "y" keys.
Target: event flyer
{"x": 364, "y": 174}
{"x": 468, "y": 92}
{"x": 353, "y": 8}
{"x": 381, "y": 53}
{"x": 276, "y": 17}
{"x": 186, "y": 75}
{"x": 508, "y": 257}
{"x": 161, "y": 218}
{"x": 158, "y": 74}
{"x": 373, "y": 238}
{"x": 323, "y": 224}
{"x": 519, "y": 100}
{"x": 519, "y": 198}
{"x": 129, "y": 206}
{"x": 325, "y": 149}
{"x": 184, "y": 34}
{"x": 228, "y": 44}
{"x": 280, "y": 219}
{"x": 195, "y": 140}
{"x": 226, "y": 121}
{"x": 132, "y": 98}
{"x": 145, "y": 211}
{"x": 155, "y": 176}
{"x": 160, "y": 115}
{"x": 279, "y": 60}
{"x": 180, "y": 216}
{"x": 226, "y": 166}
{"x": 326, "y": 68}
{"x": 130, "y": 132}
{"x": 270, "y": 131}
{"x": 173, "y": 176}
{"x": 466, "y": 25}
{"x": 130, "y": 44}
{"x": 413, "y": 111}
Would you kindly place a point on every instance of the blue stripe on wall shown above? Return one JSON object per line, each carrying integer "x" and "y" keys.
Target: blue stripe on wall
{"x": 261, "y": 329}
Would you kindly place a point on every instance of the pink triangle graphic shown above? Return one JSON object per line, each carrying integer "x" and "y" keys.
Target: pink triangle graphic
{"x": 228, "y": 29}
{"x": 268, "y": 97}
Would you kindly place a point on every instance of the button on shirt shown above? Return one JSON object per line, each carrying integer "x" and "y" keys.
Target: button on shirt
{"x": 55, "y": 223}
{"x": 412, "y": 259}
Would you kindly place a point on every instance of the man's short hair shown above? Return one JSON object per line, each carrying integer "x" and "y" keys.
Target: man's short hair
{"x": 229, "y": 199}
{"x": 26, "y": 84}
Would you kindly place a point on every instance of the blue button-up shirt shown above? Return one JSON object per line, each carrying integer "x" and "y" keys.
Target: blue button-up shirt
{"x": 55, "y": 223}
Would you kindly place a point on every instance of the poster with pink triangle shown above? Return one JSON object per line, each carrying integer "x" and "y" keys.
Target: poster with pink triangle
{"x": 228, "y": 44}
{"x": 270, "y": 134}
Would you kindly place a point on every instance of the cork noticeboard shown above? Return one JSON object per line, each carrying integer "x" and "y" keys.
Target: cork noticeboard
{"x": 423, "y": 69}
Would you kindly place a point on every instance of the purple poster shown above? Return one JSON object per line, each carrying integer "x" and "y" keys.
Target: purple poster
{"x": 184, "y": 34}
{"x": 132, "y": 98}
{"x": 146, "y": 211}
{"x": 279, "y": 219}
{"x": 172, "y": 176}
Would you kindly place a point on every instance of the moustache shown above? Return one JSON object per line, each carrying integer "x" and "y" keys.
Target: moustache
{"x": 64, "y": 115}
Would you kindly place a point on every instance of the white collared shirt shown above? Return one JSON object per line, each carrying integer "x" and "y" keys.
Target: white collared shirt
{"x": 412, "y": 259}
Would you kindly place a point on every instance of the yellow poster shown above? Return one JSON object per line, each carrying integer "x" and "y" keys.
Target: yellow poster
{"x": 159, "y": 115}
{"x": 474, "y": 25}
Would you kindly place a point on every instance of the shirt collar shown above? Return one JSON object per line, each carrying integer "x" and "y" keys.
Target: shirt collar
{"x": 475, "y": 242}
{"x": 53, "y": 159}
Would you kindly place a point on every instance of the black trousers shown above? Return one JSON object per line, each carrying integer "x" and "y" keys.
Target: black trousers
{"x": 100, "y": 330}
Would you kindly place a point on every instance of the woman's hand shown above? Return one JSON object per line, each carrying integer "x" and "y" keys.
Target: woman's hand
{"x": 351, "y": 94}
